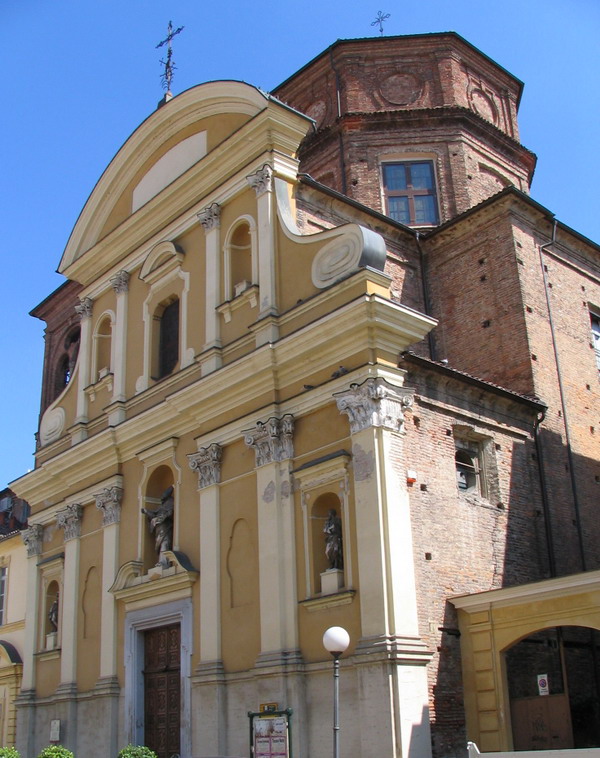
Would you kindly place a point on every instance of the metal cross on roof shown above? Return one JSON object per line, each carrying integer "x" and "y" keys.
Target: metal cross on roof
{"x": 381, "y": 17}
{"x": 167, "y": 77}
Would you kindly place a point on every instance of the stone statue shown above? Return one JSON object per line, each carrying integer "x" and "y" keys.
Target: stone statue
{"x": 161, "y": 525}
{"x": 53, "y": 615}
{"x": 333, "y": 540}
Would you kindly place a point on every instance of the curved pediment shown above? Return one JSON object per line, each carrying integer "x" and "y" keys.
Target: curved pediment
{"x": 163, "y": 148}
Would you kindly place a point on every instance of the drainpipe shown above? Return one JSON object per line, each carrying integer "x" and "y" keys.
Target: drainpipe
{"x": 544, "y": 492}
{"x": 338, "y": 88}
{"x": 563, "y": 401}
{"x": 425, "y": 289}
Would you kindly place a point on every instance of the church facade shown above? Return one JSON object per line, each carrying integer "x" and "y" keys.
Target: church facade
{"x": 312, "y": 367}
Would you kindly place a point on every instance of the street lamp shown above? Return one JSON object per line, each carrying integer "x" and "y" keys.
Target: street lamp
{"x": 336, "y": 641}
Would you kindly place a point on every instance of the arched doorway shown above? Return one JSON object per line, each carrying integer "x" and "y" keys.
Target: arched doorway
{"x": 553, "y": 679}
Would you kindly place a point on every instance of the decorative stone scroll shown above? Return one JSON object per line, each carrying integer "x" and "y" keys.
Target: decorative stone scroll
{"x": 207, "y": 462}
{"x": 84, "y": 308}
{"x": 109, "y": 502}
{"x": 120, "y": 282}
{"x": 261, "y": 180}
{"x": 69, "y": 519}
{"x": 32, "y": 537}
{"x": 375, "y": 402}
{"x": 210, "y": 217}
{"x": 272, "y": 440}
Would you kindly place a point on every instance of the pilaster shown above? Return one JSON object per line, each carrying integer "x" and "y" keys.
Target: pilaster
{"x": 32, "y": 537}
{"x": 210, "y": 219}
{"x": 109, "y": 502}
{"x": 209, "y": 679}
{"x": 262, "y": 182}
{"x": 69, "y": 519}
{"x": 390, "y": 648}
{"x": 84, "y": 310}
{"x": 272, "y": 443}
{"x": 120, "y": 284}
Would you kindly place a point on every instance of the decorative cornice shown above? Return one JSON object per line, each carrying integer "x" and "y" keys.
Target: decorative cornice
{"x": 261, "y": 180}
{"x": 69, "y": 519}
{"x": 84, "y": 308}
{"x": 207, "y": 462}
{"x": 375, "y": 402}
{"x": 272, "y": 440}
{"x": 210, "y": 217}
{"x": 32, "y": 537}
{"x": 120, "y": 282}
{"x": 109, "y": 502}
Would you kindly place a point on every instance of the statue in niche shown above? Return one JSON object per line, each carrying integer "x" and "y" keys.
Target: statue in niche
{"x": 161, "y": 526}
{"x": 333, "y": 540}
{"x": 53, "y": 615}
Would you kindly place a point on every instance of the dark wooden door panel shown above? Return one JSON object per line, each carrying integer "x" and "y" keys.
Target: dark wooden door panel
{"x": 162, "y": 692}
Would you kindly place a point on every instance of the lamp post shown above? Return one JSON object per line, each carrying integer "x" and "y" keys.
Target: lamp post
{"x": 336, "y": 641}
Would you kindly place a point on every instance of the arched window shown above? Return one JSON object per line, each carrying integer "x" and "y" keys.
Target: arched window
{"x": 165, "y": 339}
{"x": 102, "y": 348}
{"x": 240, "y": 265}
{"x": 66, "y": 361}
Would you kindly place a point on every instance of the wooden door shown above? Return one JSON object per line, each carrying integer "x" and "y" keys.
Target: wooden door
{"x": 162, "y": 696}
{"x": 541, "y": 723}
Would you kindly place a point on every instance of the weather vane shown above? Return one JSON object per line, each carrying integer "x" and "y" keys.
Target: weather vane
{"x": 167, "y": 77}
{"x": 381, "y": 17}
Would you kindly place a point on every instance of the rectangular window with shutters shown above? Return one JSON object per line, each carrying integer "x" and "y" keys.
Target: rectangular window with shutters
{"x": 410, "y": 193}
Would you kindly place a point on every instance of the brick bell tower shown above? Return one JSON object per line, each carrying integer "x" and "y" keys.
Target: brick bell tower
{"x": 419, "y": 127}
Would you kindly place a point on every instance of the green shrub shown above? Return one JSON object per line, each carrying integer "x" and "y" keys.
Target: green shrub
{"x": 55, "y": 751}
{"x": 136, "y": 751}
{"x": 9, "y": 752}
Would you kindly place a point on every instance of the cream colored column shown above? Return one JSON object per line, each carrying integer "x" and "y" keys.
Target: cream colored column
{"x": 262, "y": 182}
{"x": 209, "y": 677}
{"x": 386, "y": 575}
{"x": 69, "y": 519}
{"x": 120, "y": 284}
{"x": 109, "y": 502}
{"x": 273, "y": 447}
{"x": 84, "y": 309}
{"x": 210, "y": 218}
{"x": 32, "y": 537}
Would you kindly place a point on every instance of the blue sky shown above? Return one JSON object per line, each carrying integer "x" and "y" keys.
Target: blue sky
{"x": 80, "y": 75}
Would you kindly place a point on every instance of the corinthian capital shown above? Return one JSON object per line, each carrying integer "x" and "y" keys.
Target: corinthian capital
{"x": 207, "y": 462}
{"x": 109, "y": 502}
{"x": 84, "y": 308}
{"x": 272, "y": 440}
{"x": 374, "y": 403}
{"x": 69, "y": 519}
{"x": 120, "y": 282}
{"x": 261, "y": 180}
{"x": 210, "y": 217}
{"x": 32, "y": 537}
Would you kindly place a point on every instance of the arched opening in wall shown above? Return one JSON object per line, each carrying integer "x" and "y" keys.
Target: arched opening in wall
{"x": 553, "y": 681}
{"x": 165, "y": 338}
{"x": 239, "y": 258}
{"x": 158, "y": 510}
{"x": 51, "y": 615}
{"x": 65, "y": 363}
{"x": 102, "y": 348}
{"x": 326, "y": 540}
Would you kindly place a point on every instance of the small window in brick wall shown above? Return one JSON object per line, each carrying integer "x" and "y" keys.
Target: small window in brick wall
{"x": 475, "y": 464}
{"x": 595, "y": 319}
{"x": 410, "y": 194}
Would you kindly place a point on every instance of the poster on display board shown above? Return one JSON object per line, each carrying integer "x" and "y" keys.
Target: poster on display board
{"x": 270, "y": 733}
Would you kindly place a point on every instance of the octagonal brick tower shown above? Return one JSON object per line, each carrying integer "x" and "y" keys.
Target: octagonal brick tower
{"x": 419, "y": 127}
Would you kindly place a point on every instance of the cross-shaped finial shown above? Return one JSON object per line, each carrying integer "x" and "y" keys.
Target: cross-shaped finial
{"x": 381, "y": 17}
{"x": 167, "y": 77}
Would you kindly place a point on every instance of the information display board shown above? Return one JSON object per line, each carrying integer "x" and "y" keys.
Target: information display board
{"x": 270, "y": 733}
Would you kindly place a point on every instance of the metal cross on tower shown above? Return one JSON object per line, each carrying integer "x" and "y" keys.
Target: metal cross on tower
{"x": 167, "y": 77}
{"x": 381, "y": 17}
